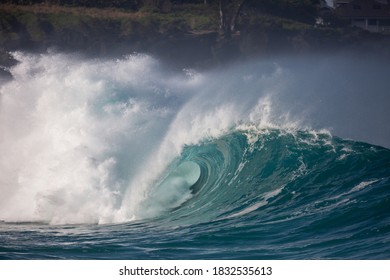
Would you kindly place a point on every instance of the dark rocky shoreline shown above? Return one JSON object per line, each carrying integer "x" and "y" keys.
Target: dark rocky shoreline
{"x": 173, "y": 44}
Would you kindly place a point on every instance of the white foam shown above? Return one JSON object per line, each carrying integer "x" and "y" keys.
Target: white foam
{"x": 363, "y": 185}
{"x": 264, "y": 201}
{"x": 83, "y": 141}
{"x": 69, "y": 142}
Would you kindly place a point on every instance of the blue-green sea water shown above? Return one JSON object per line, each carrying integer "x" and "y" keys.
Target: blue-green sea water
{"x": 126, "y": 159}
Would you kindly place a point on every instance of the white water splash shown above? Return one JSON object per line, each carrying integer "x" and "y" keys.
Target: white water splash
{"x": 83, "y": 140}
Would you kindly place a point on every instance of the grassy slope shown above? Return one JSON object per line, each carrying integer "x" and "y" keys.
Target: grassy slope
{"x": 77, "y": 28}
{"x": 40, "y": 22}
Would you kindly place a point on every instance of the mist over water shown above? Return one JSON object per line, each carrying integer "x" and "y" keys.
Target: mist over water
{"x": 348, "y": 94}
{"x": 92, "y": 140}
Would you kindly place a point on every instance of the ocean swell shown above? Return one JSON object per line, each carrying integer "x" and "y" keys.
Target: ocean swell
{"x": 105, "y": 141}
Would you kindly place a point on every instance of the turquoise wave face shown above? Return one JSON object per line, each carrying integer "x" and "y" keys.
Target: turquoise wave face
{"x": 285, "y": 194}
{"x": 280, "y": 176}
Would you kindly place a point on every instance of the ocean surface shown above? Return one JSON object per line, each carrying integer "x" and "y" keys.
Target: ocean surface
{"x": 126, "y": 158}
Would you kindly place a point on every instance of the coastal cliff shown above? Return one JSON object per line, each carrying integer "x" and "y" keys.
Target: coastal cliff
{"x": 184, "y": 35}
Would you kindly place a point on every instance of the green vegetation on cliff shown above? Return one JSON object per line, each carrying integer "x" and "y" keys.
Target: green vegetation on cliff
{"x": 202, "y": 30}
{"x": 45, "y": 24}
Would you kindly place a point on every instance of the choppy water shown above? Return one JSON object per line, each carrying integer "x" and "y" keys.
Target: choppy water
{"x": 123, "y": 159}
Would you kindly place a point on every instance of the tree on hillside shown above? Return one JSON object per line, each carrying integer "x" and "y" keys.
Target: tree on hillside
{"x": 229, "y": 11}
